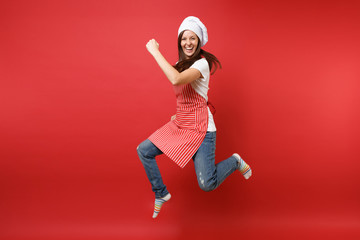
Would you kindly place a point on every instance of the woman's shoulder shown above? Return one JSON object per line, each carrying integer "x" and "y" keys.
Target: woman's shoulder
{"x": 201, "y": 62}
{"x": 203, "y": 66}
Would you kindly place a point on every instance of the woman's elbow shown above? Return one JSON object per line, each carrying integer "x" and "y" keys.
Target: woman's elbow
{"x": 176, "y": 81}
{"x": 176, "y": 84}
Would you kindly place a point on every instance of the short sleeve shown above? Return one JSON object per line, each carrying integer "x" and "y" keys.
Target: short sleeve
{"x": 203, "y": 66}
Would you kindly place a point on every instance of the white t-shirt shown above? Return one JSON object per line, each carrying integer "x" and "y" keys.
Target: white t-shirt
{"x": 201, "y": 86}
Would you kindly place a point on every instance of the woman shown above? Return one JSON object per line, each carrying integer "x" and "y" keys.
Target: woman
{"x": 191, "y": 133}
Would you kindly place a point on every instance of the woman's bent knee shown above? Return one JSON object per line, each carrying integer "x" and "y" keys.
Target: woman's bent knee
{"x": 206, "y": 186}
{"x": 147, "y": 149}
{"x": 141, "y": 148}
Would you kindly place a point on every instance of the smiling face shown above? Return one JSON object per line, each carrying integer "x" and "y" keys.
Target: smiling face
{"x": 189, "y": 43}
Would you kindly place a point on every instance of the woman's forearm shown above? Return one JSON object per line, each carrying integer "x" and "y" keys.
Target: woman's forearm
{"x": 170, "y": 72}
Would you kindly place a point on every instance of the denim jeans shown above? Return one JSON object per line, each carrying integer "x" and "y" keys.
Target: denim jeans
{"x": 209, "y": 174}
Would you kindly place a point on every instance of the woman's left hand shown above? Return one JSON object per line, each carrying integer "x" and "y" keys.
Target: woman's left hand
{"x": 152, "y": 46}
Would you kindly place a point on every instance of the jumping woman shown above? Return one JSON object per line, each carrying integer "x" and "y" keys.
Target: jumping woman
{"x": 191, "y": 133}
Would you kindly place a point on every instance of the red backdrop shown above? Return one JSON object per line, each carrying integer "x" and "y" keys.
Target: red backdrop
{"x": 79, "y": 92}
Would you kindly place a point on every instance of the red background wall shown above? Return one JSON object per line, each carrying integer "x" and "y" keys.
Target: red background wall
{"x": 79, "y": 92}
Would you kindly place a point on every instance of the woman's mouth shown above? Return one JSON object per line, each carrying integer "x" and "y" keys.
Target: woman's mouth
{"x": 188, "y": 49}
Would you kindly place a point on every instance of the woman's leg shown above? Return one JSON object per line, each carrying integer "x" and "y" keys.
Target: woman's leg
{"x": 147, "y": 152}
{"x": 209, "y": 175}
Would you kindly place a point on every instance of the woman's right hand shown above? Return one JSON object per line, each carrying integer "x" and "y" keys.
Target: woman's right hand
{"x": 152, "y": 46}
{"x": 173, "y": 117}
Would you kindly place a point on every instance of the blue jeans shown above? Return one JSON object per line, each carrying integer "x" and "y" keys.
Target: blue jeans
{"x": 209, "y": 174}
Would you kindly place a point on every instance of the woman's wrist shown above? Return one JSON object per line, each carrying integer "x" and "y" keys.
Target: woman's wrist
{"x": 155, "y": 53}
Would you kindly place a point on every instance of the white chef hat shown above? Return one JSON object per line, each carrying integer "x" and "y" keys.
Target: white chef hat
{"x": 194, "y": 24}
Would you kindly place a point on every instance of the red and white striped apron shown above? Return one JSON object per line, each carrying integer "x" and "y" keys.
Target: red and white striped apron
{"x": 180, "y": 138}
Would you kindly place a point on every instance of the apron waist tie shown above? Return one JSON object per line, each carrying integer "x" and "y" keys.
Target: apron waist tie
{"x": 211, "y": 107}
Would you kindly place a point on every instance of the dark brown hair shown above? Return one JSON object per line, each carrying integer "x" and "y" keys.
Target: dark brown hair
{"x": 184, "y": 63}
